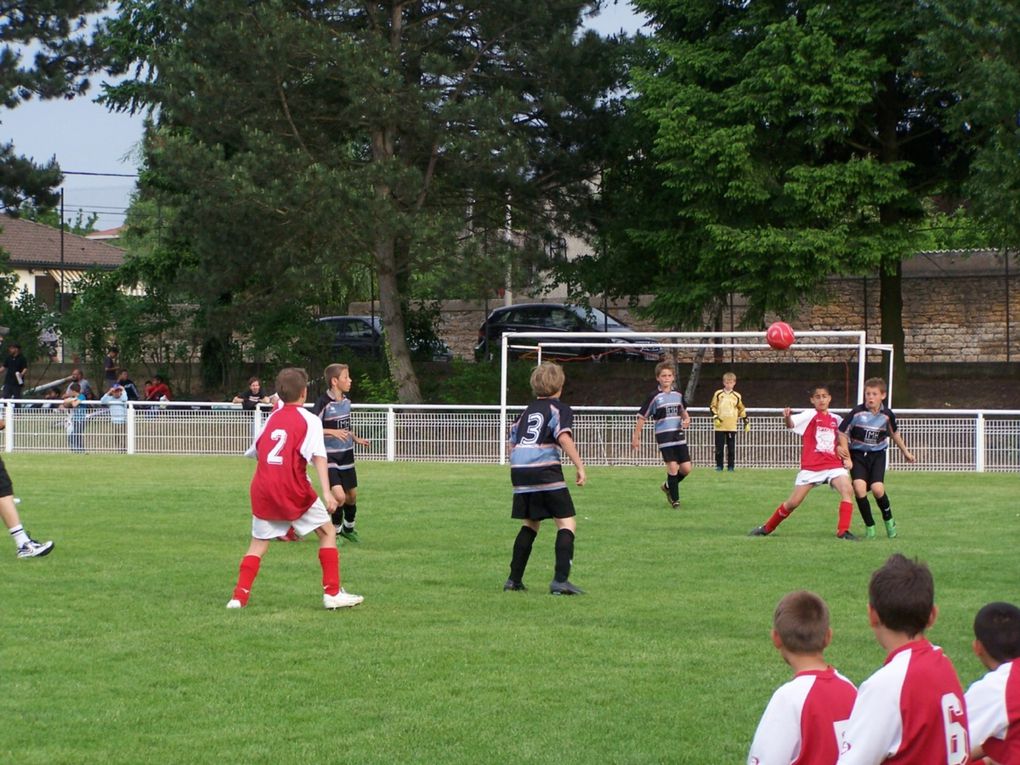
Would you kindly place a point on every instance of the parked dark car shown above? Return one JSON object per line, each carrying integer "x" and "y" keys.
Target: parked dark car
{"x": 363, "y": 336}
{"x": 561, "y": 317}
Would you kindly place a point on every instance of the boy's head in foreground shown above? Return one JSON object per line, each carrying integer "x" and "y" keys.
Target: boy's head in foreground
{"x": 729, "y": 380}
{"x": 997, "y": 634}
{"x": 901, "y": 596}
{"x": 800, "y": 624}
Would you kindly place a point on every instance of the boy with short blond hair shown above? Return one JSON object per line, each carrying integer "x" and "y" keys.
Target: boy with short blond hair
{"x": 282, "y": 496}
{"x": 334, "y": 410}
{"x": 727, "y": 409}
{"x": 993, "y": 702}
{"x": 803, "y": 720}
{"x": 912, "y": 709}
{"x": 666, "y": 408}
{"x": 540, "y": 491}
{"x": 869, "y": 427}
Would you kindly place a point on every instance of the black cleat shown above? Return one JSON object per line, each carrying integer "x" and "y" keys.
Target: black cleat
{"x": 512, "y": 586}
{"x": 759, "y": 531}
{"x": 846, "y": 536}
{"x": 564, "y": 588}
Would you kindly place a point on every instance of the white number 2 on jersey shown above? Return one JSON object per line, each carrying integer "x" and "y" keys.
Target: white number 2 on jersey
{"x": 280, "y": 437}
{"x": 957, "y": 746}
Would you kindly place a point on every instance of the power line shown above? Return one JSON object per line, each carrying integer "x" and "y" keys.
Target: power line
{"x": 105, "y": 175}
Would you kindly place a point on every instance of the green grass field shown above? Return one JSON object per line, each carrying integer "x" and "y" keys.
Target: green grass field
{"x": 117, "y": 648}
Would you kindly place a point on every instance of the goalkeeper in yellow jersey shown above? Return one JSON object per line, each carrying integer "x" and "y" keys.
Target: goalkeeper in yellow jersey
{"x": 727, "y": 409}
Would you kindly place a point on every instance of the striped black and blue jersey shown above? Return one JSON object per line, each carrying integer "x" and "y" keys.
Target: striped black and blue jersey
{"x": 534, "y": 450}
{"x": 666, "y": 409}
{"x": 869, "y": 431}
{"x": 336, "y": 415}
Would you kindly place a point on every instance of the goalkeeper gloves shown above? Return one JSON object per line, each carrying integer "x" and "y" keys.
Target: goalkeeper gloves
{"x": 747, "y": 426}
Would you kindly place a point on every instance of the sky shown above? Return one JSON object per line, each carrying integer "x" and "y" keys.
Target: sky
{"x": 87, "y": 138}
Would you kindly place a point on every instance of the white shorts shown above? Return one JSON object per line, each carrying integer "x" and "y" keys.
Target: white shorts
{"x": 815, "y": 477}
{"x": 313, "y": 518}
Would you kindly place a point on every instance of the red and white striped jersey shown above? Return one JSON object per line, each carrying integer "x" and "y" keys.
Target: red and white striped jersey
{"x": 993, "y": 711}
{"x": 910, "y": 712}
{"x": 803, "y": 721}
{"x": 280, "y": 488}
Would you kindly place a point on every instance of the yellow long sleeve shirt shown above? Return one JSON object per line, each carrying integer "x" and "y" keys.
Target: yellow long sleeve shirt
{"x": 728, "y": 407}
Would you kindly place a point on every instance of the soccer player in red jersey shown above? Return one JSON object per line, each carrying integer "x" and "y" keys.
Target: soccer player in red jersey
{"x": 993, "y": 702}
{"x": 282, "y": 496}
{"x": 804, "y": 719}
{"x": 824, "y": 458}
{"x": 911, "y": 711}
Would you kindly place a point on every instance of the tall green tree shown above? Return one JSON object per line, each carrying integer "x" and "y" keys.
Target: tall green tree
{"x": 770, "y": 146}
{"x": 975, "y": 46}
{"x": 62, "y": 58}
{"x": 301, "y": 140}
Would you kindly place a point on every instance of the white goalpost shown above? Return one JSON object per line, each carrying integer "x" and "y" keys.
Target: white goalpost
{"x": 535, "y": 342}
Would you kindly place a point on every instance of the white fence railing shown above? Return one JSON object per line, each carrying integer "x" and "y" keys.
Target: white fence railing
{"x": 951, "y": 440}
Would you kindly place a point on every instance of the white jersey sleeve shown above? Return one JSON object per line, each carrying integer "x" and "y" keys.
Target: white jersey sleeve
{"x": 800, "y": 420}
{"x": 314, "y": 444}
{"x": 986, "y": 706}
{"x": 875, "y": 729}
{"x": 777, "y": 739}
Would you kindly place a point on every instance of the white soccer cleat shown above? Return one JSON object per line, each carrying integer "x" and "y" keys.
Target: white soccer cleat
{"x": 33, "y": 549}
{"x": 341, "y": 600}
{"x": 234, "y": 603}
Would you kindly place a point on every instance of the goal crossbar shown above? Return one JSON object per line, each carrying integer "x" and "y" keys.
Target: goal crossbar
{"x": 699, "y": 340}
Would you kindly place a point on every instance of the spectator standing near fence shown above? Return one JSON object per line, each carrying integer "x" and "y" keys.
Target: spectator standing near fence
{"x": 250, "y": 399}
{"x": 15, "y": 368}
{"x": 117, "y": 399}
{"x": 84, "y": 386}
{"x": 124, "y": 380}
{"x": 73, "y": 400}
{"x": 111, "y": 367}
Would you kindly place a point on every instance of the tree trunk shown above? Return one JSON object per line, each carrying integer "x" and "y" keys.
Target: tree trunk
{"x": 401, "y": 370}
{"x": 891, "y": 306}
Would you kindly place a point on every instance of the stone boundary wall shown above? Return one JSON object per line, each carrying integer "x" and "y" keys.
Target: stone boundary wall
{"x": 954, "y": 309}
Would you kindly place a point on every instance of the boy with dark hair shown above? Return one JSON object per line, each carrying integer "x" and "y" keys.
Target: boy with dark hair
{"x": 912, "y": 709}
{"x": 869, "y": 426}
{"x": 823, "y": 459}
{"x": 727, "y": 410}
{"x": 804, "y": 717}
{"x": 334, "y": 410}
{"x": 666, "y": 407}
{"x": 993, "y": 702}
{"x": 540, "y": 491}
{"x": 282, "y": 496}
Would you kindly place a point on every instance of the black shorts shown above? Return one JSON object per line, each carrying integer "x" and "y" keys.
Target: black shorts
{"x": 868, "y": 466}
{"x": 539, "y": 505}
{"x": 348, "y": 478}
{"x": 6, "y": 487}
{"x": 681, "y": 453}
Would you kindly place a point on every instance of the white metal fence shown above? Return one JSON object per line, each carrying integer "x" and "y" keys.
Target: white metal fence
{"x": 950, "y": 440}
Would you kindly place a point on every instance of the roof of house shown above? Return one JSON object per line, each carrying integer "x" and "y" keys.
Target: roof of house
{"x": 107, "y": 233}
{"x": 34, "y": 245}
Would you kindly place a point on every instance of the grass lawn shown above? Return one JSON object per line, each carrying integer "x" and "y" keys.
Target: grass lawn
{"x": 117, "y": 648}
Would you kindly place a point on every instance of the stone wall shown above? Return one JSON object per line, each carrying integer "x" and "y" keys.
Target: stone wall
{"x": 956, "y": 307}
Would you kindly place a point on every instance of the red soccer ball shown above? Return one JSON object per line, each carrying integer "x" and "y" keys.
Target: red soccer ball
{"x": 780, "y": 335}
